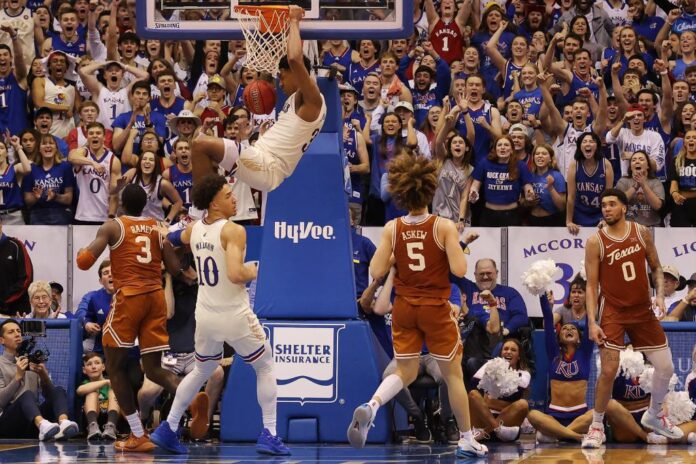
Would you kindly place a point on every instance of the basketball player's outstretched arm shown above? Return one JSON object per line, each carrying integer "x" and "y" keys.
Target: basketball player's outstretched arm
{"x": 381, "y": 261}
{"x": 106, "y": 235}
{"x": 233, "y": 239}
{"x": 308, "y": 90}
{"x": 592, "y": 271}
{"x": 449, "y": 235}
{"x": 658, "y": 277}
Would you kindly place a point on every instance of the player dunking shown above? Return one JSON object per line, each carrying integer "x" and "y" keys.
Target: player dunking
{"x": 276, "y": 154}
{"x": 138, "y": 310}
{"x": 426, "y": 249}
{"x": 223, "y": 313}
{"x": 618, "y": 282}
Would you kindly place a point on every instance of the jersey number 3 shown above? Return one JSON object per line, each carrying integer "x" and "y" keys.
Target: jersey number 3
{"x": 415, "y": 254}
{"x": 145, "y": 255}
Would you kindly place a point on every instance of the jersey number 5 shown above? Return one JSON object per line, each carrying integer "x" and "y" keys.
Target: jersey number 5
{"x": 415, "y": 253}
{"x": 145, "y": 249}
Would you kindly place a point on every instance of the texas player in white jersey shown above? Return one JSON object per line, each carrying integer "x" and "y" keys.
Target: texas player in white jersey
{"x": 222, "y": 312}
{"x": 111, "y": 98}
{"x": 97, "y": 171}
{"x": 265, "y": 165}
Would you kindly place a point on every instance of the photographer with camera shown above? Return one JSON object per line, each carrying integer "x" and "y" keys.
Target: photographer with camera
{"x": 20, "y": 379}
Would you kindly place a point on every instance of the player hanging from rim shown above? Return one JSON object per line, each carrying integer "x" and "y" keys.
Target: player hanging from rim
{"x": 222, "y": 313}
{"x": 138, "y": 310}
{"x": 617, "y": 282}
{"x": 278, "y": 151}
{"x": 426, "y": 249}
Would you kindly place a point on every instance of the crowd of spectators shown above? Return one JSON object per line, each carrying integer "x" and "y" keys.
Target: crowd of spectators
{"x": 531, "y": 109}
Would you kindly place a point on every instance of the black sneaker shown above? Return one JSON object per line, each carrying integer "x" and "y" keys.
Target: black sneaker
{"x": 452, "y": 431}
{"x": 422, "y": 430}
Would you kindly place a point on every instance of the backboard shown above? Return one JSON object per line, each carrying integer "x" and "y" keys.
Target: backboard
{"x": 324, "y": 19}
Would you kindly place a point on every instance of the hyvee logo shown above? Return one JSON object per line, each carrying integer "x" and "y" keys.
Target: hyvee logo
{"x": 302, "y": 231}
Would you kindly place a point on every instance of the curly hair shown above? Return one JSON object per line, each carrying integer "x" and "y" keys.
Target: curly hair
{"x": 412, "y": 181}
{"x": 205, "y": 190}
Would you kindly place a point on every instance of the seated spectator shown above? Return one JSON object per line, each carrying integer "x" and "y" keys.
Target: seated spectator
{"x": 21, "y": 415}
{"x": 511, "y": 306}
{"x": 685, "y": 310}
{"x": 573, "y": 310}
{"x": 100, "y": 399}
{"x": 56, "y": 299}
{"x": 94, "y": 308}
{"x": 645, "y": 193}
{"x": 502, "y": 415}
{"x": 40, "y": 300}
{"x": 16, "y": 274}
{"x": 674, "y": 284}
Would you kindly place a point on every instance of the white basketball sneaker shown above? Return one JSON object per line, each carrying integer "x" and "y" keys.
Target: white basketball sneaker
{"x": 595, "y": 436}
{"x": 360, "y": 425}
{"x": 471, "y": 449}
{"x": 661, "y": 424}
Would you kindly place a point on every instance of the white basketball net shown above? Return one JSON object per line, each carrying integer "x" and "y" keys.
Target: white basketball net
{"x": 264, "y": 49}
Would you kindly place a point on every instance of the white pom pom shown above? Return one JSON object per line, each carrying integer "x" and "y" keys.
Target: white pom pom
{"x": 632, "y": 363}
{"x": 679, "y": 407}
{"x": 581, "y": 271}
{"x": 646, "y": 378}
{"x": 540, "y": 276}
{"x": 498, "y": 379}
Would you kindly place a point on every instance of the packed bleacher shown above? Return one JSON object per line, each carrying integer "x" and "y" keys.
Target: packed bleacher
{"x": 530, "y": 109}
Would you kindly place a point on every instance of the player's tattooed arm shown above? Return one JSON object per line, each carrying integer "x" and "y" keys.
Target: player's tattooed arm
{"x": 658, "y": 277}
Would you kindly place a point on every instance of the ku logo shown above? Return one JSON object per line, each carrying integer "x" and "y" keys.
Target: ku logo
{"x": 568, "y": 370}
{"x": 633, "y": 392}
{"x": 306, "y": 361}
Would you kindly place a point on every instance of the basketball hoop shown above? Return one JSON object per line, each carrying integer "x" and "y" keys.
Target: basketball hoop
{"x": 265, "y": 29}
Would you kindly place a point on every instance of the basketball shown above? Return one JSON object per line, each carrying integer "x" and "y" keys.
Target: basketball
{"x": 260, "y": 97}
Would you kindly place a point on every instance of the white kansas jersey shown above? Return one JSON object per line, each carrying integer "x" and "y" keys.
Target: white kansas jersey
{"x": 93, "y": 203}
{"x": 291, "y": 135}
{"x": 216, "y": 293}
{"x": 111, "y": 104}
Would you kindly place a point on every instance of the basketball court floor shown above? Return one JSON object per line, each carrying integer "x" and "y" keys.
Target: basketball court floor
{"x": 31, "y": 451}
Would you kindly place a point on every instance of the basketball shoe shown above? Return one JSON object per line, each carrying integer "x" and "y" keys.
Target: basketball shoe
{"x": 271, "y": 444}
{"x": 360, "y": 425}
{"x": 167, "y": 439}
{"x": 471, "y": 449}
{"x": 661, "y": 424}
{"x": 595, "y": 436}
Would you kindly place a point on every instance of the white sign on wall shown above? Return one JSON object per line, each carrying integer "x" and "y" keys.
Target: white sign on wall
{"x": 306, "y": 361}
{"x": 486, "y": 246}
{"x": 676, "y": 246}
{"x": 527, "y": 245}
{"x": 85, "y": 281}
{"x": 48, "y": 249}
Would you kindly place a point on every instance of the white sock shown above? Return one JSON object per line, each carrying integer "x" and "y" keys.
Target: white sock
{"x": 597, "y": 417}
{"x": 466, "y": 436}
{"x": 267, "y": 388}
{"x": 664, "y": 368}
{"x": 187, "y": 389}
{"x": 136, "y": 425}
{"x": 390, "y": 386}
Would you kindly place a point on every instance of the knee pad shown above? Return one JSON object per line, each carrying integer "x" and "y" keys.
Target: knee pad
{"x": 264, "y": 364}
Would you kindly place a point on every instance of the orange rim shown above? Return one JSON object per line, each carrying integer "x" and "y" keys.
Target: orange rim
{"x": 270, "y": 13}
